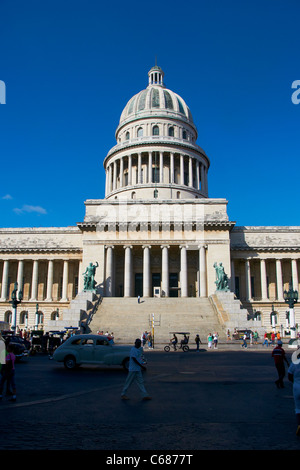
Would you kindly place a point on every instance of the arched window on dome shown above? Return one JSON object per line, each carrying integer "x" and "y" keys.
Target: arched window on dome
{"x": 184, "y": 135}
{"x": 127, "y": 136}
{"x": 155, "y": 130}
{"x": 171, "y": 131}
{"x": 140, "y": 132}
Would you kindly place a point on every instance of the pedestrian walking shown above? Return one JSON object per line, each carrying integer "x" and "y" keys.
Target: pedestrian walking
{"x": 273, "y": 337}
{"x": 215, "y": 339}
{"x": 266, "y": 340}
{"x": 197, "y": 341}
{"x": 244, "y": 344}
{"x": 135, "y": 372}
{"x": 255, "y": 337}
{"x": 279, "y": 356}
{"x": 228, "y": 335}
{"x": 8, "y": 373}
{"x": 209, "y": 341}
{"x": 294, "y": 377}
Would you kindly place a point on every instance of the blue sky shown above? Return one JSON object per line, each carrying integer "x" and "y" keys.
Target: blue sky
{"x": 71, "y": 66}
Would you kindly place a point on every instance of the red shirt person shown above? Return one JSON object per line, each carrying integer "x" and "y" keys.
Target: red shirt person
{"x": 279, "y": 356}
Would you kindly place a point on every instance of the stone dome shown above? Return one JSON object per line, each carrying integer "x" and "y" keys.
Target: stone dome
{"x": 156, "y": 156}
{"x": 156, "y": 100}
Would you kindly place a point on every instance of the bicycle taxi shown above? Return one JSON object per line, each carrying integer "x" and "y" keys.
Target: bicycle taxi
{"x": 183, "y": 344}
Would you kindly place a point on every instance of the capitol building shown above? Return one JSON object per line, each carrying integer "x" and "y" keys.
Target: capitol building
{"x": 157, "y": 235}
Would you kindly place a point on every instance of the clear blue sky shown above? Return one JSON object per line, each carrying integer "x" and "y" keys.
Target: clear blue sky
{"x": 71, "y": 66}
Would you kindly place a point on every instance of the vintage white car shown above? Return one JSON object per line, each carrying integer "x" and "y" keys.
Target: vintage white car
{"x": 91, "y": 349}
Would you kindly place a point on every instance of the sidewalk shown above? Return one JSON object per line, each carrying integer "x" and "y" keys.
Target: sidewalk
{"x": 234, "y": 345}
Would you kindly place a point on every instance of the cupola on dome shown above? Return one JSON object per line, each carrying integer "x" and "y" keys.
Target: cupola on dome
{"x": 156, "y": 100}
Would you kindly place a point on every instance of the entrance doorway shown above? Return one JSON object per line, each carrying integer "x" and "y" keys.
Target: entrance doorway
{"x": 138, "y": 286}
{"x": 173, "y": 284}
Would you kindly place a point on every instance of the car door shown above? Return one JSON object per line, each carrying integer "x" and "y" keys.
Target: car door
{"x": 87, "y": 351}
{"x": 102, "y": 349}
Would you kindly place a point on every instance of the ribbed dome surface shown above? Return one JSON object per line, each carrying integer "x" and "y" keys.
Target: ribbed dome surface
{"x": 155, "y": 100}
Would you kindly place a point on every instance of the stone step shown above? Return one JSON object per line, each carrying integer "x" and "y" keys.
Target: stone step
{"x": 128, "y": 319}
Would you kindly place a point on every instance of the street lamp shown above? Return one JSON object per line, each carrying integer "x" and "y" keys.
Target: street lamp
{"x": 273, "y": 318}
{"x": 291, "y": 297}
{"x": 14, "y": 303}
{"x": 36, "y": 316}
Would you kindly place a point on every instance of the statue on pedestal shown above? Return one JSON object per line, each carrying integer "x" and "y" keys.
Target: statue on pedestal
{"x": 89, "y": 277}
{"x": 222, "y": 278}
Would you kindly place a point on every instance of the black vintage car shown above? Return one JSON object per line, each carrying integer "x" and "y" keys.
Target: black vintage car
{"x": 20, "y": 346}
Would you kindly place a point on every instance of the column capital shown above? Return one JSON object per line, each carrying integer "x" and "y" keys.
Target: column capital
{"x": 146, "y": 246}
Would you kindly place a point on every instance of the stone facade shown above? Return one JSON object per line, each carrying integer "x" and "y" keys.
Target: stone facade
{"x": 156, "y": 233}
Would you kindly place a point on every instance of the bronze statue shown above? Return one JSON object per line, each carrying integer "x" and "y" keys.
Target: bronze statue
{"x": 89, "y": 277}
{"x": 222, "y": 278}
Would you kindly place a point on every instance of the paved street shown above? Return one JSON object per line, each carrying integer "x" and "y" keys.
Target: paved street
{"x": 216, "y": 399}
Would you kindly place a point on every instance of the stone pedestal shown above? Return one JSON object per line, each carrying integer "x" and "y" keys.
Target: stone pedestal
{"x": 77, "y": 311}
{"x": 230, "y": 312}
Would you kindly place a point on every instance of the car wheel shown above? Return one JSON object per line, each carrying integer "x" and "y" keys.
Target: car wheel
{"x": 125, "y": 363}
{"x": 70, "y": 362}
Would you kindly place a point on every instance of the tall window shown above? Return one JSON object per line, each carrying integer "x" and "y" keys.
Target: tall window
{"x": 155, "y": 130}
{"x": 127, "y": 137}
{"x": 171, "y": 131}
{"x": 140, "y": 132}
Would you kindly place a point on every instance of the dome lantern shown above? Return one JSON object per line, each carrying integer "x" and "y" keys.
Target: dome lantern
{"x": 156, "y": 76}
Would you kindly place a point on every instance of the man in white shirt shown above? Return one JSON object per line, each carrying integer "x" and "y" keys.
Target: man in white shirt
{"x": 135, "y": 372}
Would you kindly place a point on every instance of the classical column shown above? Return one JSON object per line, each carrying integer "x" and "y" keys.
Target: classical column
{"x": 65, "y": 281}
{"x": 121, "y": 172}
{"x": 263, "y": 276}
{"x": 109, "y": 184}
{"x": 161, "y": 167}
{"x": 165, "y": 271}
{"x": 80, "y": 276}
{"x": 171, "y": 167}
{"x": 295, "y": 275}
{"x": 232, "y": 277}
{"x": 146, "y": 271}
{"x": 129, "y": 170}
{"x": 34, "y": 281}
{"x": 197, "y": 175}
{"x": 4, "y": 290}
{"x": 183, "y": 271}
{"x": 128, "y": 271}
{"x": 202, "y": 271}
{"x": 109, "y": 284}
{"x": 115, "y": 176}
{"x": 20, "y": 276}
{"x": 49, "y": 281}
{"x": 150, "y": 167}
{"x": 190, "y": 171}
{"x": 279, "y": 280}
{"x": 139, "y": 168}
{"x": 106, "y": 181}
{"x": 181, "y": 169}
{"x": 248, "y": 280}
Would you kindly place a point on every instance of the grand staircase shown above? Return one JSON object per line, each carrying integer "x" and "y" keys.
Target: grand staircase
{"x": 128, "y": 319}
